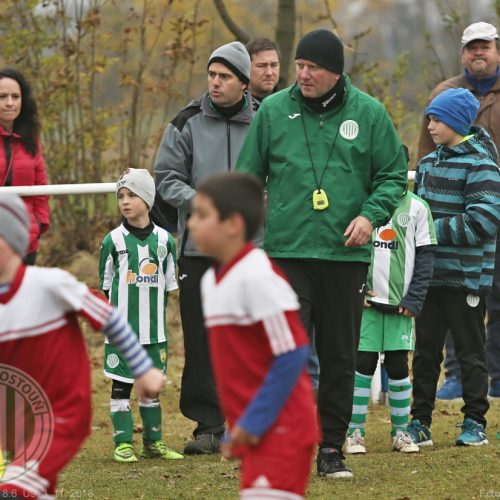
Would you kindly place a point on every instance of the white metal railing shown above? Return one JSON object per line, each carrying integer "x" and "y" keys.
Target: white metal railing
{"x": 95, "y": 188}
{"x": 55, "y": 189}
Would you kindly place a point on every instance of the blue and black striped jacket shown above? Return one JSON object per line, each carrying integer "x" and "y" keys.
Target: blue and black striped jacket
{"x": 462, "y": 187}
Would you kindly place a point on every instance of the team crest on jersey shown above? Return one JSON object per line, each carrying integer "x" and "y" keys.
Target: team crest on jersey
{"x": 113, "y": 360}
{"x": 147, "y": 277}
{"x": 472, "y": 300}
{"x": 349, "y": 129}
{"x": 387, "y": 236}
{"x": 162, "y": 252}
{"x": 404, "y": 219}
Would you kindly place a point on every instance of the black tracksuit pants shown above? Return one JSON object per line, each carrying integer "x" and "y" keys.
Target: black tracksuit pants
{"x": 331, "y": 298}
{"x": 448, "y": 309}
{"x": 199, "y": 400}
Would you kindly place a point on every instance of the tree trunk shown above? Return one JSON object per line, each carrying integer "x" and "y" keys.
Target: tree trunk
{"x": 240, "y": 35}
{"x": 285, "y": 38}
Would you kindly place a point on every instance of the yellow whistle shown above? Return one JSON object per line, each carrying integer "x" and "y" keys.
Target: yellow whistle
{"x": 320, "y": 200}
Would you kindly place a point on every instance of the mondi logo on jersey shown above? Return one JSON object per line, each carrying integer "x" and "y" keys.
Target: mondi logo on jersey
{"x": 387, "y": 236}
{"x": 147, "y": 275}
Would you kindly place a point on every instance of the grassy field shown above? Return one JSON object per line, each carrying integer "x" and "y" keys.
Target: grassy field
{"x": 442, "y": 471}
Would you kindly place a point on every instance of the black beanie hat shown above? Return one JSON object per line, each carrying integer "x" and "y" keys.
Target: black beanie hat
{"x": 324, "y": 48}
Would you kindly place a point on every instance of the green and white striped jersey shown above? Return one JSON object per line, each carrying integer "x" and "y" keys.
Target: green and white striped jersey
{"x": 139, "y": 275}
{"x": 393, "y": 249}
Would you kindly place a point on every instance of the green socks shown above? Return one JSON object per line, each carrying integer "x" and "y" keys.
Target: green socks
{"x": 362, "y": 385}
{"x": 399, "y": 401}
{"x": 121, "y": 417}
{"x": 150, "y": 411}
{"x": 123, "y": 424}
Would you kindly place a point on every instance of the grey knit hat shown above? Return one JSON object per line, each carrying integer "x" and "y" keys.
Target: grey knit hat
{"x": 140, "y": 182}
{"x": 235, "y": 56}
{"x": 14, "y": 223}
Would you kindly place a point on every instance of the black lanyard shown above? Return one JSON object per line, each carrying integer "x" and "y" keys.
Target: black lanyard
{"x": 318, "y": 184}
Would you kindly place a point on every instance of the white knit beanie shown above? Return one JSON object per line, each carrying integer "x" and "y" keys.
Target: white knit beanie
{"x": 140, "y": 182}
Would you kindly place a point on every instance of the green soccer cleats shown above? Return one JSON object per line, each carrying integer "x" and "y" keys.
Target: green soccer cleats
{"x": 159, "y": 450}
{"x": 124, "y": 453}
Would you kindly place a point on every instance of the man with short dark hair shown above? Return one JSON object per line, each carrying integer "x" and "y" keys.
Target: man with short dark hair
{"x": 335, "y": 170}
{"x": 480, "y": 54}
{"x": 203, "y": 139}
{"x": 265, "y": 70}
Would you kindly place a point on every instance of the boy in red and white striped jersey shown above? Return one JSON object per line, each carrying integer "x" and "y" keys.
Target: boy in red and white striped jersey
{"x": 43, "y": 351}
{"x": 258, "y": 346}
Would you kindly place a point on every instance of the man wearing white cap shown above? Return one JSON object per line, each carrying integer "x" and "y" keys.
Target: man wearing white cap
{"x": 480, "y": 58}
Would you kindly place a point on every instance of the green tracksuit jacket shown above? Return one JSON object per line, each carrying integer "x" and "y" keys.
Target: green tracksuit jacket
{"x": 366, "y": 173}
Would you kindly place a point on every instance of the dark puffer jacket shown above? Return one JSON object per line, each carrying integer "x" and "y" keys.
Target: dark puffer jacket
{"x": 27, "y": 170}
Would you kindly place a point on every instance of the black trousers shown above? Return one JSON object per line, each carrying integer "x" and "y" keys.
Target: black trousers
{"x": 447, "y": 309}
{"x": 331, "y": 298}
{"x": 199, "y": 400}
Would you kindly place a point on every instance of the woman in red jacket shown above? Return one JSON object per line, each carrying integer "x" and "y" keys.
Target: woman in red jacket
{"x": 21, "y": 162}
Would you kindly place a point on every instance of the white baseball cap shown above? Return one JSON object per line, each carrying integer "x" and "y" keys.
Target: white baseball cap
{"x": 479, "y": 31}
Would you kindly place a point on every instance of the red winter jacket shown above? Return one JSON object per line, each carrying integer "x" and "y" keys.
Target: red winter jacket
{"x": 27, "y": 170}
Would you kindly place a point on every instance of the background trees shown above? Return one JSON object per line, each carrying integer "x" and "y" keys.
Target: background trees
{"x": 109, "y": 74}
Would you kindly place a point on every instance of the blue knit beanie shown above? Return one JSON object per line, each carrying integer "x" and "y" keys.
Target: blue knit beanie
{"x": 457, "y": 108}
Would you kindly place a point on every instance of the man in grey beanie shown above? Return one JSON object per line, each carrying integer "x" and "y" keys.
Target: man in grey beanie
{"x": 204, "y": 138}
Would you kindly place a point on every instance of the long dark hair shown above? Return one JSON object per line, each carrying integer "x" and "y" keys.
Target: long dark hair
{"x": 27, "y": 124}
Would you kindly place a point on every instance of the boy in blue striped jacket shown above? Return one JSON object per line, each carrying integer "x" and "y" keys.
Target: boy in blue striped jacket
{"x": 461, "y": 183}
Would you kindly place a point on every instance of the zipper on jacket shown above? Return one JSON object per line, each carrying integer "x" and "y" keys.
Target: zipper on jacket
{"x": 321, "y": 120}
{"x": 8, "y": 156}
{"x": 228, "y": 146}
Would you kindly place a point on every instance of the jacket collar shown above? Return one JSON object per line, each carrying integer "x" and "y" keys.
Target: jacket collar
{"x": 245, "y": 116}
{"x": 483, "y": 85}
{"x": 466, "y": 85}
{"x": 221, "y": 271}
{"x": 295, "y": 91}
{"x": 5, "y": 133}
{"x": 480, "y": 142}
{"x": 14, "y": 287}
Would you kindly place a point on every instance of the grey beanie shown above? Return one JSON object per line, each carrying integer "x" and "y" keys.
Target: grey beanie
{"x": 235, "y": 56}
{"x": 140, "y": 182}
{"x": 14, "y": 223}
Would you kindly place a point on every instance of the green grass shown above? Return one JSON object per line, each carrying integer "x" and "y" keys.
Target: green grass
{"x": 442, "y": 471}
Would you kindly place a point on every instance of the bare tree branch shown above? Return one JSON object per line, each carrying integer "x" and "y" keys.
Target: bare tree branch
{"x": 329, "y": 16}
{"x": 240, "y": 34}
{"x": 285, "y": 37}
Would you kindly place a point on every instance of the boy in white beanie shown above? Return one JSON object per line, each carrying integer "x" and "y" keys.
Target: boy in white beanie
{"x": 137, "y": 270}
{"x": 45, "y": 399}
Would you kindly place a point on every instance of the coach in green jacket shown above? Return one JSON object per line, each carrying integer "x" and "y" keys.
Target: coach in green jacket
{"x": 335, "y": 170}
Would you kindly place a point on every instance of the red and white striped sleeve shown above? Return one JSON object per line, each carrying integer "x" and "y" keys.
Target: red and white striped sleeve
{"x": 96, "y": 309}
{"x": 74, "y": 296}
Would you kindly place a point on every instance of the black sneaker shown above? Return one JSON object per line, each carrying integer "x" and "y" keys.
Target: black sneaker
{"x": 204, "y": 444}
{"x": 330, "y": 463}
